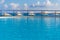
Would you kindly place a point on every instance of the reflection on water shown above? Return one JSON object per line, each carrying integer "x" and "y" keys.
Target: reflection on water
{"x": 30, "y": 28}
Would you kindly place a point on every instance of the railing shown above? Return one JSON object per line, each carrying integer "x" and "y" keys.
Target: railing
{"x": 33, "y": 12}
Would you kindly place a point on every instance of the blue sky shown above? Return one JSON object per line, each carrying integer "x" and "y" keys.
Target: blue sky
{"x": 25, "y": 4}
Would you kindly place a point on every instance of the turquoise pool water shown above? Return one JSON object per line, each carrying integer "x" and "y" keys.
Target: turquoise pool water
{"x": 30, "y": 28}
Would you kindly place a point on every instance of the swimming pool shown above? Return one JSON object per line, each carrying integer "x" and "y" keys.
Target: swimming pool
{"x": 30, "y": 28}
